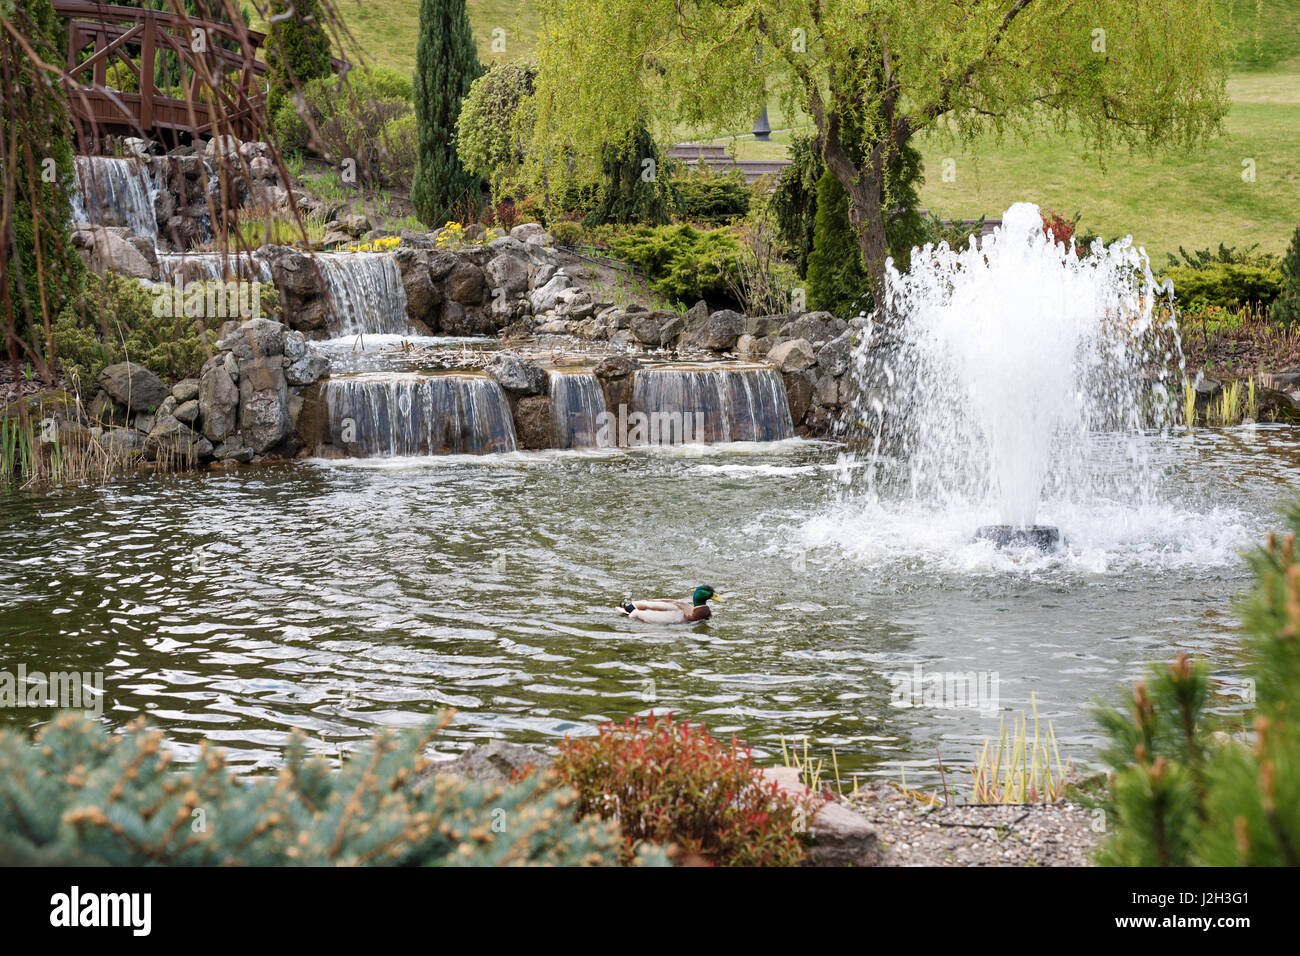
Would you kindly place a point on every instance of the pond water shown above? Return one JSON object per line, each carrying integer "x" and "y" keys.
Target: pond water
{"x": 343, "y": 595}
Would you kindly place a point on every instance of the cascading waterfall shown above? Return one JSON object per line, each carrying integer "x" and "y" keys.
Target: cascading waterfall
{"x": 1009, "y": 359}
{"x": 200, "y": 266}
{"x": 577, "y": 407}
{"x": 115, "y": 191}
{"x": 411, "y": 414}
{"x": 366, "y": 293}
{"x": 709, "y": 404}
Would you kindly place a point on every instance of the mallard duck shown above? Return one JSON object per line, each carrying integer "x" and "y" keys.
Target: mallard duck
{"x": 668, "y": 611}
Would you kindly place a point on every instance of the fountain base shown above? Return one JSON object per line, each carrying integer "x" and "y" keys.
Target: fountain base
{"x": 1040, "y": 536}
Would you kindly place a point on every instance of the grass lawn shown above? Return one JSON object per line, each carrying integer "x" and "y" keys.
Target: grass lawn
{"x": 1195, "y": 199}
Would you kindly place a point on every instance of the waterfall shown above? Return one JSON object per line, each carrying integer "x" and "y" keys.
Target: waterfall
{"x": 366, "y": 293}
{"x": 115, "y": 191}
{"x": 200, "y": 266}
{"x": 413, "y": 414}
{"x": 577, "y": 404}
{"x": 710, "y": 404}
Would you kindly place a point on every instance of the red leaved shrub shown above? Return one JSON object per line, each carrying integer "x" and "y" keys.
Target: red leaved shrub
{"x": 1061, "y": 229}
{"x": 671, "y": 783}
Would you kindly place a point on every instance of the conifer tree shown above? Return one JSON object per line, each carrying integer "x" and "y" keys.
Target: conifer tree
{"x": 1286, "y": 307}
{"x": 446, "y": 63}
{"x": 297, "y": 47}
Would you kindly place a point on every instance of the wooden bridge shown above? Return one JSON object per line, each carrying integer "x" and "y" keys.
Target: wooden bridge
{"x": 222, "y": 78}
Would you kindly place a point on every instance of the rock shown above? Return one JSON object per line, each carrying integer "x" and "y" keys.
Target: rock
{"x": 825, "y": 389}
{"x": 218, "y": 402}
{"x": 186, "y": 390}
{"x": 840, "y": 836}
{"x": 171, "y": 440}
{"x": 750, "y": 346}
{"x": 836, "y": 356}
{"x": 534, "y": 426}
{"x": 543, "y": 299}
{"x": 648, "y": 327}
{"x": 440, "y": 265}
{"x": 509, "y": 273}
{"x": 553, "y": 327}
{"x": 493, "y": 763}
{"x": 123, "y": 441}
{"x": 113, "y": 252}
{"x": 263, "y": 411}
{"x": 423, "y": 295}
{"x": 696, "y": 315}
{"x": 798, "y": 394}
{"x": 465, "y": 284}
{"x": 815, "y": 327}
{"x": 233, "y": 450}
{"x": 106, "y": 411}
{"x": 336, "y": 237}
{"x": 542, "y": 275}
{"x": 1206, "y": 387}
{"x": 720, "y": 332}
{"x": 187, "y": 412}
{"x": 311, "y": 367}
{"x": 256, "y": 338}
{"x": 517, "y": 376}
{"x": 527, "y": 230}
{"x": 355, "y": 225}
{"x": 133, "y": 386}
{"x": 574, "y": 303}
{"x": 792, "y": 356}
{"x": 226, "y": 146}
{"x": 763, "y": 326}
{"x": 457, "y": 320}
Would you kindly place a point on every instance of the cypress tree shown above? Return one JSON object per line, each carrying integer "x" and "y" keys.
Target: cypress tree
{"x": 1286, "y": 308}
{"x": 297, "y": 48}
{"x": 629, "y": 194}
{"x": 446, "y": 63}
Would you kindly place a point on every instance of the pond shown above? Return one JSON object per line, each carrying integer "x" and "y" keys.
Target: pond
{"x": 341, "y": 596}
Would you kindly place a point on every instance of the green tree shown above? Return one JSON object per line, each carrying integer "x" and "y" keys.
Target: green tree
{"x": 1113, "y": 72}
{"x": 1184, "y": 795}
{"x": 40, "y": 273}
{"x": 1286, "y": 307}
{"x": 297, "y": 46}
{"x": 494, "y": 125}
{"x": 446, "y": 64}
{"x": 632, "y": 189}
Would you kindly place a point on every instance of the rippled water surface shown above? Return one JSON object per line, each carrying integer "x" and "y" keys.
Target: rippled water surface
{"x": 339, "y": 596}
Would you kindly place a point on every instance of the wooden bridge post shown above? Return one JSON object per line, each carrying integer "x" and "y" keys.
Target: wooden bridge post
{"x": 146, "y": 76}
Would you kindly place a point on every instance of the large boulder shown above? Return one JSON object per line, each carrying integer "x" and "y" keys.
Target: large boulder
{"x": 465, "y": 284}
{"x": 534, "y": 422}
{"x": 423, "y": 295}
{"x": 516, "y": 376}
{"x": 218, "y": 401}
{"x": 615, "y": 374}
{"x": 507, "y": 272}
{"x": 839, "y": 836}
{"x": 836, "y": 356}
{"x": 649, "y": 328}
{"x": 111, "y": 251}
{"x": 792, "y": 356}
{"x": 720, "y": 332}
{"x": 133, "y": 386}
{"x": 256, "y": 338}
{"x": 528, "y": 230}
{"x": 816, "y": 327}
{"x": 543, "y": 299}
{"x": 798, "y": 394}
{"x": 174, "y": 442}
{"x": 263, "y": 407}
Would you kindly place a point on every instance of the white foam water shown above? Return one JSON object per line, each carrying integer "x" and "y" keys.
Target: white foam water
{"x": 366, "y": 293}
{"x": 115, "y": 191}
{"x": 1008, "y": 361}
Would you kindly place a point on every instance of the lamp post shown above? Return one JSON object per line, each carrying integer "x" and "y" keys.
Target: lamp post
{"x": 762, "y": 129}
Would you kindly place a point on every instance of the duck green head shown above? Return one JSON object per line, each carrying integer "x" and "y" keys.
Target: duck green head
{"x": 703, "y": 593}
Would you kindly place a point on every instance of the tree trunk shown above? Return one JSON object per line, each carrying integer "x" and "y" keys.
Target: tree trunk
{"x": 865, "y": 188}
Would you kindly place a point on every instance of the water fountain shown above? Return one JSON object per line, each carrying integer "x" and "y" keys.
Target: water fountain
{"x": 714, "y": 403}
{"x": 391, "y": 414}
{"x": 1007, "y": 359}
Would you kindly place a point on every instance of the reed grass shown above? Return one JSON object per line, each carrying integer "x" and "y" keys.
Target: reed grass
{"x": 1020, "y": 770}
{"x": 29, "y": 461}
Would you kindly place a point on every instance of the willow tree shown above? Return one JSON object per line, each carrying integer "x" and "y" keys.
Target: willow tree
{"x": 1114, "y": 73}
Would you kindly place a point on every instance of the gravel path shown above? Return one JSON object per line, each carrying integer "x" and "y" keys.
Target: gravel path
{"x": 913, "y": 833}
